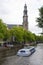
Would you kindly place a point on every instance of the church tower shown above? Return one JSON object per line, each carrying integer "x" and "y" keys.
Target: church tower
{"x": 25, "y": 18}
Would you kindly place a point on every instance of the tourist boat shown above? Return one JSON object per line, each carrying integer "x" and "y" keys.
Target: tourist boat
{"x": 26, "y": 51}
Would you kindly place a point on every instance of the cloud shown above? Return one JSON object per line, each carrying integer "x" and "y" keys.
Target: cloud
{"x": 11, "y": 11}
{"x": 4, "y": 9}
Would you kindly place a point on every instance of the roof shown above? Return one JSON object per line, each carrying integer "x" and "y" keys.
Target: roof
{"x": 12, "y": 25}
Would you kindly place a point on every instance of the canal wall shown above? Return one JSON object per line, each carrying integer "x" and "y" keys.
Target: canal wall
{"x": 8, "y": 51}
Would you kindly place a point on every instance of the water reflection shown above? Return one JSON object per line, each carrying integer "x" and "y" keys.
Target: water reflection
{"x": 6, "y": 53}
{"x": 34, "y": 59}
{"x": 2, "y": 57}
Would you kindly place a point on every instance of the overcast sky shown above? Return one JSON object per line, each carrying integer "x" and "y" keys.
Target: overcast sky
{"x": 11, "y": 12}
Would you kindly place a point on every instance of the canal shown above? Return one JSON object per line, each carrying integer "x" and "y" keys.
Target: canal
{"x": 35, "y": 59}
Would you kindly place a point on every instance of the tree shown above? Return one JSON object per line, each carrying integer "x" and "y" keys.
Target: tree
{"x": 4, "y": 32}
{"x": 28, "y": 36}
{"x": 39, "y": 39}
{"x": 17, "y": 33}
{"x": 40, "y": 19}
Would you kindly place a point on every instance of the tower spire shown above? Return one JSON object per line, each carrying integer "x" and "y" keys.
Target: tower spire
{"x": 25, "y": 9}
{"x": 25, "y": 17}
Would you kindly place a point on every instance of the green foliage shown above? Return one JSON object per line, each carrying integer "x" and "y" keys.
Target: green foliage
{"x": 2, "y": 29}
{"x": 22, "y": 35}
{"x": 7, "y": 35}
{"x": 40, "y": 38}
{"x": 4, "y": 33}
{"x": 29, "y": 36}
{"x": 40, "y": 18}
{"x": 1, "y": 36}
{"x": 17, "y": 32}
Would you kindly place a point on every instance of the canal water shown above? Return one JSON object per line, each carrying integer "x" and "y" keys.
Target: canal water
{"x": 35, "y": 59}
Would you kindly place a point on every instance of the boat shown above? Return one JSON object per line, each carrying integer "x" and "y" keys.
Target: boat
{"x": 26, "y": 51}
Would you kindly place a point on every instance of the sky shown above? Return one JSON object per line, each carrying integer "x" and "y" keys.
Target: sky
{"x": 11, "y": 12}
